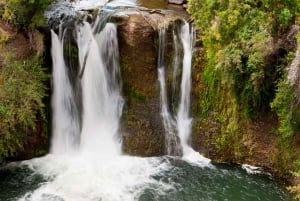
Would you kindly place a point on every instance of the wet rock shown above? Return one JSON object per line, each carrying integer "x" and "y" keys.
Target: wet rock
{"x": 139, "y": 73}
{"x": 142, "y": 122}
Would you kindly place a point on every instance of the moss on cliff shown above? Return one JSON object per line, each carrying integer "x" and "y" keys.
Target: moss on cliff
{"x": 23, "y": 121}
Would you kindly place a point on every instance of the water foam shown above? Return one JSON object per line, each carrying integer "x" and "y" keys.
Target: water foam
{"x": 81, "y": 178}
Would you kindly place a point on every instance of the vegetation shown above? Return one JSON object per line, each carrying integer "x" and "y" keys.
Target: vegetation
{"x": 245, "y": 75}
{"x": 21, "y": 103}
{"x": 22, "y": 78}
{"x": 25, "y": 13}
{"x": 242, "y": 68}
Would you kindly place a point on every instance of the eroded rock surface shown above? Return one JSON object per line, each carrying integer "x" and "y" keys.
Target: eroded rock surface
{"x": 142, "y": 123}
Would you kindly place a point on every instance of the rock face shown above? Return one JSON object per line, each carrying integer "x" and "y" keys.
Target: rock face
{"x": 142, "y": 123}
{"x": 141, "y": 120}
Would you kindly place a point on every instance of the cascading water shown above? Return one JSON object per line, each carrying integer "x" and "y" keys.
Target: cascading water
{"x": 65, "y": 128}
{"x": 102, "y": 102}
{"x": 184, "y": 122}
{"x": 172, "y": 144}
{"x": 178, "y": 124}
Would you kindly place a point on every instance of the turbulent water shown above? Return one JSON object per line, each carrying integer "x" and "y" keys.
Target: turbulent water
{"x": 58, "y": 178}
{"x": 86, "y": 162}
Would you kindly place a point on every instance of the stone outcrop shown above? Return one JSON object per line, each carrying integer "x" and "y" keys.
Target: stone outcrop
{"x": 142, "y": 124}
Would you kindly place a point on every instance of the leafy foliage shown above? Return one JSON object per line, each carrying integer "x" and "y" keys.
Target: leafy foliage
{"x": 27, "y": 13}
{"x": 287, "y": 108}
{"x": 21, "y": 105}
{"x": 240, "y": 78}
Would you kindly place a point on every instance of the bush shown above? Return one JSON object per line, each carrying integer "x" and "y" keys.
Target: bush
{"x": 240, "y": 73}
{"x": 286, "y": 106}
{"x": 237, "y": 36}
{"x": 25, "y": 13}
{"x": 21, "y": 106}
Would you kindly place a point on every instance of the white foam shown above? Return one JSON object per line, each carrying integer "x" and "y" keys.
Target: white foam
{"x": 82, "y": 178}
{"x": 195, "y": 158}
{"x": 252, "y": 169}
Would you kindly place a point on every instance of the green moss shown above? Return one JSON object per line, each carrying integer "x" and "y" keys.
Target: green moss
{"x": 25, "y": 13}
{"x": 136, "y": 95}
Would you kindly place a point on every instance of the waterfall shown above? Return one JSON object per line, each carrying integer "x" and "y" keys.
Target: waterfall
{"x": 65, "y": 121}
{"x": 87, "y": 106}
{"x": 92, "y": 126}
{"x": 184, "y": 121}
{"x": 172, "y": 145}
{"x": 178, "y": 126}
{"x": 102, "y": 102}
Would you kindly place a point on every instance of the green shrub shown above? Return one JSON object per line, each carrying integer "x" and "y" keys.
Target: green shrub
{"x": 21, "y": 107}
{"x": 26, "y": 13}
{"x": 285, "y": 17}
{"x": 240, "y": 77}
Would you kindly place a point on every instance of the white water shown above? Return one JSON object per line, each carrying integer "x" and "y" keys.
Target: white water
{"x": 65, "y": 122}
{"x": 184, "y": 121}
{"x": 172, "y": 146}
{"x": 97, "y": 171}
{"x": 178, "y": 126}
{"x": 81, "y": 178}
{"x": 102, "y": 102}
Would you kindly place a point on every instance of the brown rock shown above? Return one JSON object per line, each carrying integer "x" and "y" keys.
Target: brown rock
{"x": 142, "y": 122}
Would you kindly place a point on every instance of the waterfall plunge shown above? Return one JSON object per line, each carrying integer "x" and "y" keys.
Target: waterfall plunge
{"x": 178, "y": 125}
{"x": 92, "y": 128}
{"x": 102, "y": 101}
{"x": 101, "y": 97}
{"x": 65, "y": 123}
{"x": 172, "y": 145}
{"x": 184, "y": 122}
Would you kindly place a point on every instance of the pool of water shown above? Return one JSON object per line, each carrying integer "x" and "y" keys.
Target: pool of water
{"x": 66, "y": 178}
